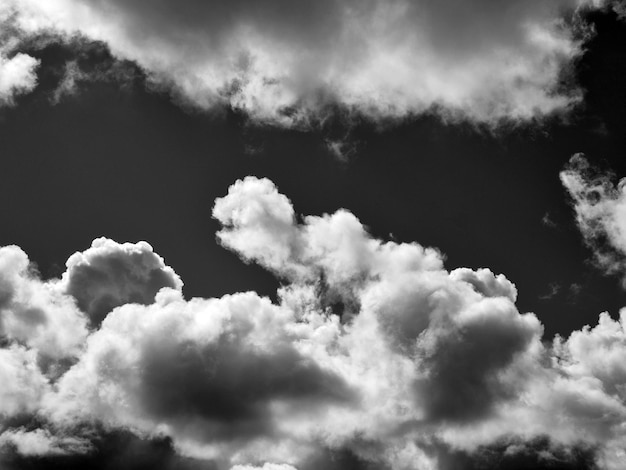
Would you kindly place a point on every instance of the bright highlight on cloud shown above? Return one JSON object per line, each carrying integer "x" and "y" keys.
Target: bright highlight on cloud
{"x": 600, "y": 207}
{"x": 284, "y": 62}
{"x": 375, "y": 356}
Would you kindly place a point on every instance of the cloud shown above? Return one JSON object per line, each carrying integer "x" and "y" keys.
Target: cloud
{"x": 17, "y": 70}
{"x": 17, "y": 76}
{"x": 109, "y": 449}
{"x": 267, "y": 466}
{"x": 214, "y": 373}
{"x": 23, "y": 384}
{"x": 110, "y": 274}
{"x": 600, "y": 207}
{"x": 373, "y": 356}
{"x": 516, "y": 454}
{"x": 285, "y": 62}
{"x": 34, "y": 313}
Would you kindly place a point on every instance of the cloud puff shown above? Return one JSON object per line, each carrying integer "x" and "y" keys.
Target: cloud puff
{"x": 34, "y": 313}
{"x": 110, "y": 274}
{"x": 23, "y": 384}
{"x": 373, "y": 356}
{"x": 600, "y": 207}
{"x": 283, "y": 62}
{"x": 17, "y": 70}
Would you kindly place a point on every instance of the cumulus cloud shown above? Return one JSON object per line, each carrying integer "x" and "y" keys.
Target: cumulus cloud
{"x": 600, "y": 207}
{"x": 283, "y": 62}
{"x": 373, "y": 356}
{"x": 17, "y": 76}
{"x": 110, "y": 274}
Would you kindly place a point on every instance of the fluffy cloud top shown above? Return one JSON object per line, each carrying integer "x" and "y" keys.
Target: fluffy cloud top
{"x": 109, "y": 274}
{"x": 283, "y": 61}
{"x": 374, "y": 356}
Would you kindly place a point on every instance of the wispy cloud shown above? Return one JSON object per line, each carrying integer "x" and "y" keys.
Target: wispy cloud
{"x": 600, "y": 205}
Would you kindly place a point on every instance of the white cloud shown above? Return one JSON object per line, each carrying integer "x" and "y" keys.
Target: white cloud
{"x": 36, "y": 313}
{"x": 17, "y": 75}
{"x": 600, "y": 207}
{"x": 283, "y": 62}
{"x": 267, "y": 466}
{"x": 17, "y": 70}
{"x": 374, "y": 352}
{"x": 23, "y": 384}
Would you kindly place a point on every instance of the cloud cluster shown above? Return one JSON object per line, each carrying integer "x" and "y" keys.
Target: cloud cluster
{"x": 600, "y": 207}
{"x": 283, "y": 62}
{"x": 374, "y": 356}
{"x": 17, "y": 75}
{"x": 17, "y": 70}
{"x": 108, "y": 275}
{"x": 34, "y": 313}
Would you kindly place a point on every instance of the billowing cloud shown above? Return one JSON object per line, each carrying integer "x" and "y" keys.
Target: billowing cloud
{"x": 17, "y": 75}
{"x": 600, "y": 207}
{"x": 373, "y": 356}
{"x": 283, "y": 61}
{"x": 110, "y": 274}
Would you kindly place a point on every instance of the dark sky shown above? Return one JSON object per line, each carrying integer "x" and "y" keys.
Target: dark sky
{"x": 131, "y": 165}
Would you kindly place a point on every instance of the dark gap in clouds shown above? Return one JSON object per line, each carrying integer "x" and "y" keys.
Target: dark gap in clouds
{"x": 341, "y": 459}
{"x": 69, "y": 65}
{"x": 520, "y": 454}
{"x": 112, "y": 450}
{"x": 602, "y": 73}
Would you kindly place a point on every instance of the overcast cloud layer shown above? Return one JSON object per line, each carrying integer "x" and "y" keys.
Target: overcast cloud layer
{"x": 283, "y": 62}
{"x": 375, "y": 356}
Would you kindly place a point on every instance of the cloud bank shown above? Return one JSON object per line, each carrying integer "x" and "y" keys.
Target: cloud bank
{"x": 286, "y": 62}
{"x": 374, "y": 356}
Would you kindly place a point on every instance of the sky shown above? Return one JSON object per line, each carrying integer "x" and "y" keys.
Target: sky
{"x": 278, "y": 235}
